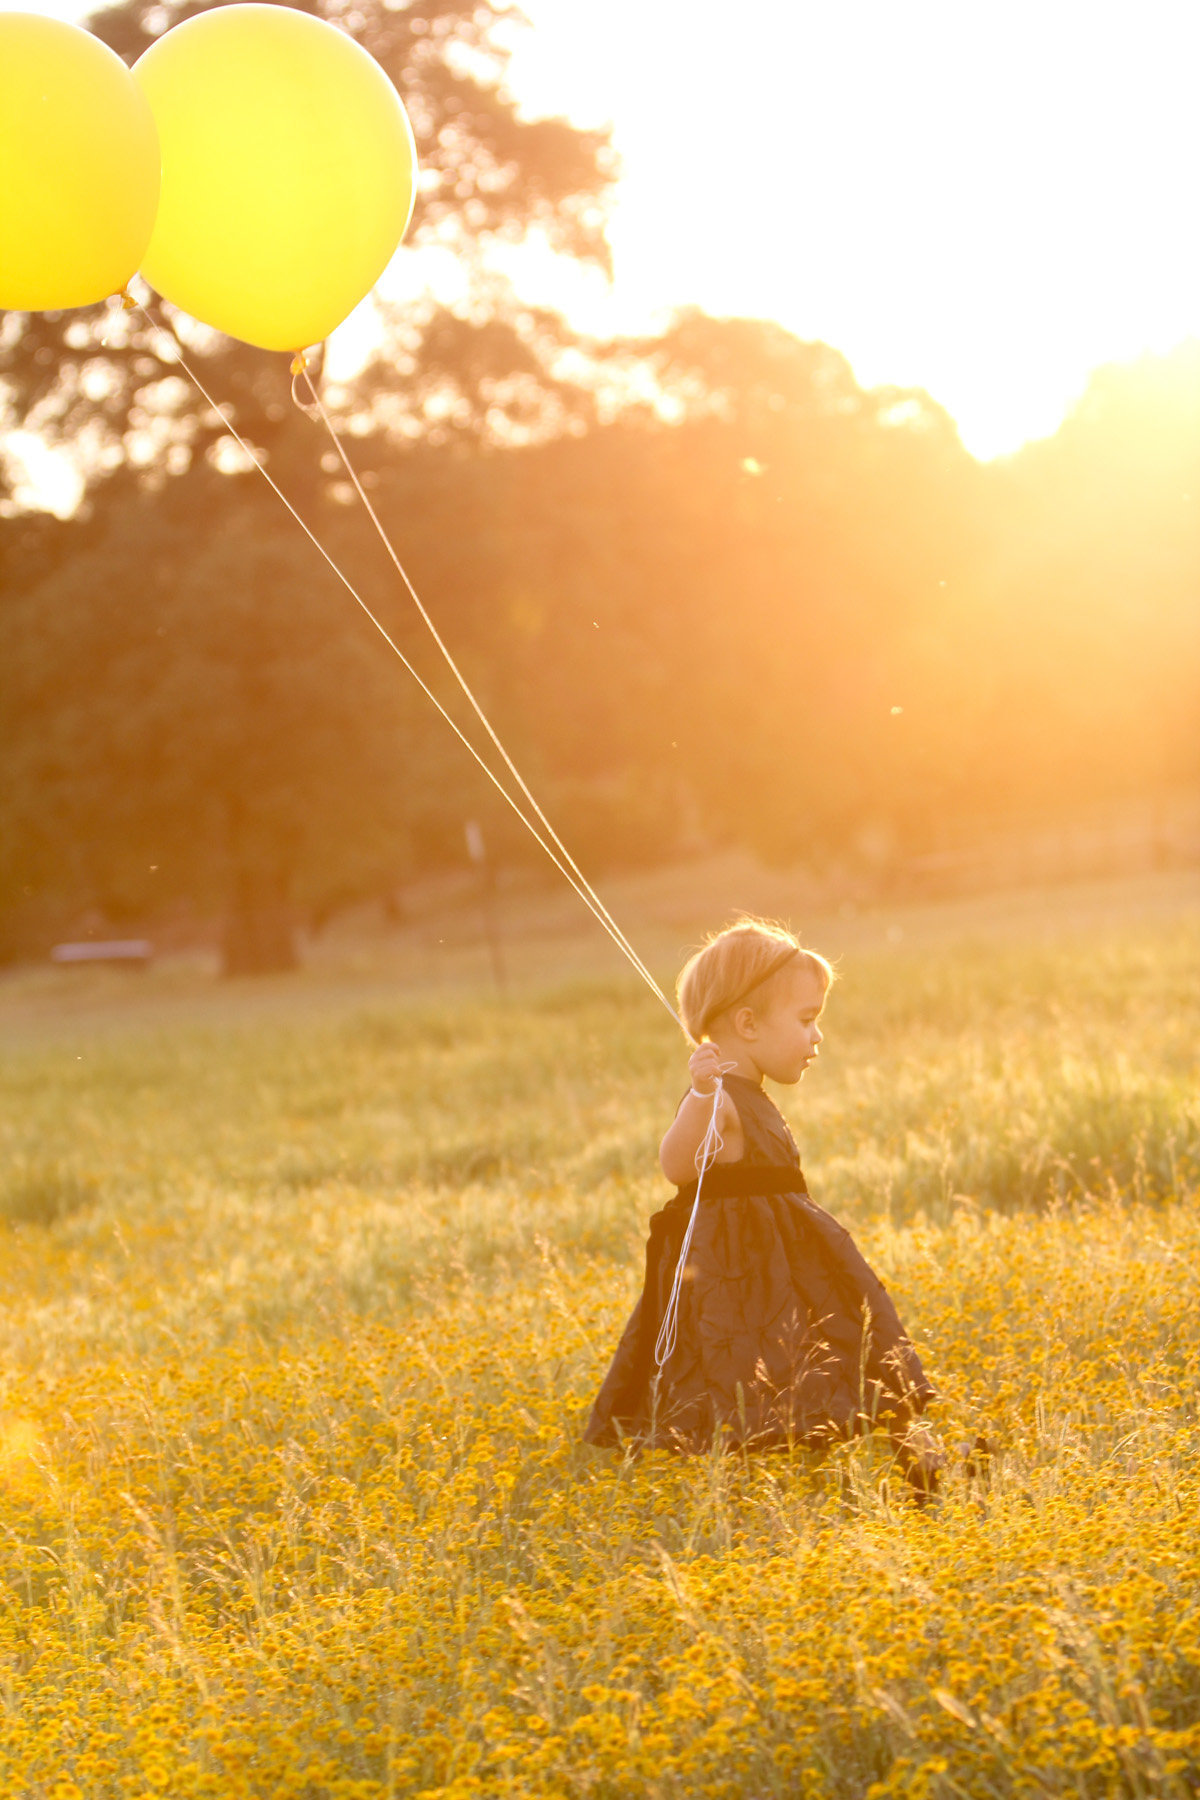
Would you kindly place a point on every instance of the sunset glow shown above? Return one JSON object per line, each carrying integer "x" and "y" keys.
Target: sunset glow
{"x": 986, "y": 201}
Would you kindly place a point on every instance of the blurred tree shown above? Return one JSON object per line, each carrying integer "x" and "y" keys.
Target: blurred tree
{"x": 1066, "y": 667}
{"x": 747, "y": 576}
{"x": 166, "y": 742}
{"x": 797, "y": 614}
{"x": 1100, "y": 576}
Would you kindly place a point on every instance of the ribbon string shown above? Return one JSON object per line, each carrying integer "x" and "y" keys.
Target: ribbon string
{"x": 537, "y": 825}
{"x": 711, "y": 1146}
{"x": 318, "y": 408}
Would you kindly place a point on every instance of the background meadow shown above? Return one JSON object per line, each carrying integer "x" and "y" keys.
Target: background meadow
{"x": 307, "y": 1286}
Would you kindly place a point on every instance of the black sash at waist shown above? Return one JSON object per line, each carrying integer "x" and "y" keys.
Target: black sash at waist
{"x": 725, "y": 1181}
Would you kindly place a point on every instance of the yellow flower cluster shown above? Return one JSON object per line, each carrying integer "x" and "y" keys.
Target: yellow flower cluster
{"x": 366, "y": 1559}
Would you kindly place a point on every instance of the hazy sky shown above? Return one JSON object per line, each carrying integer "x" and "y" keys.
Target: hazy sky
{"x": 986, "y": 198}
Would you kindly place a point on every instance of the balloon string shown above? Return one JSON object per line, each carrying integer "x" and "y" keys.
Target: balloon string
{"x": 175, "y": 355}
{"x": 710, "y": 1148}
{"x": 300, "y": 373}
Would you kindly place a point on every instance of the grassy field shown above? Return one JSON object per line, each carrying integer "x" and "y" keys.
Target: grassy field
{"x": 305, "y": 1289}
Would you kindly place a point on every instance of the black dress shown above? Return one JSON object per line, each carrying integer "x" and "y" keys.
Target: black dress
{"x": 784, "y": 1333}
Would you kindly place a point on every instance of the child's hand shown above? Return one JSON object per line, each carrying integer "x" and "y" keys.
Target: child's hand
{"x": 705, "y": 1065}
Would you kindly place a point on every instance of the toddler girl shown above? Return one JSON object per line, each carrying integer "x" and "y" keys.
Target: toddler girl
{"x": 760, "y": 1324}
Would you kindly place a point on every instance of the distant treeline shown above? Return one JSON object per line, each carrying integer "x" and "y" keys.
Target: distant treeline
{"x": 766, "y": 606}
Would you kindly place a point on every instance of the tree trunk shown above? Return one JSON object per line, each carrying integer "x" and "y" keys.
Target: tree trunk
{"x": 259, "y": 936}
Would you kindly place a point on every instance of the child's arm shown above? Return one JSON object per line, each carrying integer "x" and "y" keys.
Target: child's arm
{"x": 677, "y": 1152}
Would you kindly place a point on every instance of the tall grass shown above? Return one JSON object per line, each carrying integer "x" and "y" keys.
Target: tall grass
{"x": 299, "y": 1321}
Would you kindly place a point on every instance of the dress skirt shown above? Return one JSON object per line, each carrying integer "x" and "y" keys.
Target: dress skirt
{"x": 784, "y": 1334}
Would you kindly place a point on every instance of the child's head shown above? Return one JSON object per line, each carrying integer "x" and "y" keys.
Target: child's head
{"x": 744, "y": 965}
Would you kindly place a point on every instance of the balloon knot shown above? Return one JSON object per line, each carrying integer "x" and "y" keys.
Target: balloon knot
{"x": 299, "y": 363}
{"x": 128, "y": 303}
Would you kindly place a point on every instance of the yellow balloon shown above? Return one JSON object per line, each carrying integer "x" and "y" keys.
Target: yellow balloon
{"x": 288, "y": 172}
{"x": 78, "y": 167}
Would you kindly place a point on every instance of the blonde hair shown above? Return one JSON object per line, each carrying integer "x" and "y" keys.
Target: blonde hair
{"x": 741, "y": 965}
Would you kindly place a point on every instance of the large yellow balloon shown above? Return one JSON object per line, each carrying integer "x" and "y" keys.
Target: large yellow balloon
{"x": 78, "y": 167}
{"x": 288, "y": 172}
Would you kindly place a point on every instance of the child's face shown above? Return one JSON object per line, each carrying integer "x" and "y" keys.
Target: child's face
{"x": 786, "y": 1034}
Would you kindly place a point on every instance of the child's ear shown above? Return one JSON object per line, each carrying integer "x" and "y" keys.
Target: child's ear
{"x": 744, "y": 1022}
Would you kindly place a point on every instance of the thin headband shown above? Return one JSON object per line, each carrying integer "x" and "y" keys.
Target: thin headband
{"x": 772, "y": 968}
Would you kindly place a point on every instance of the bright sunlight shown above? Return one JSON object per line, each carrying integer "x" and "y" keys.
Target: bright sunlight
{"x": 984, "y": 200}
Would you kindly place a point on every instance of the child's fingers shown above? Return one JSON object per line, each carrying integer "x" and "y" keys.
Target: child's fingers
{"x": 704, "y": 1066}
